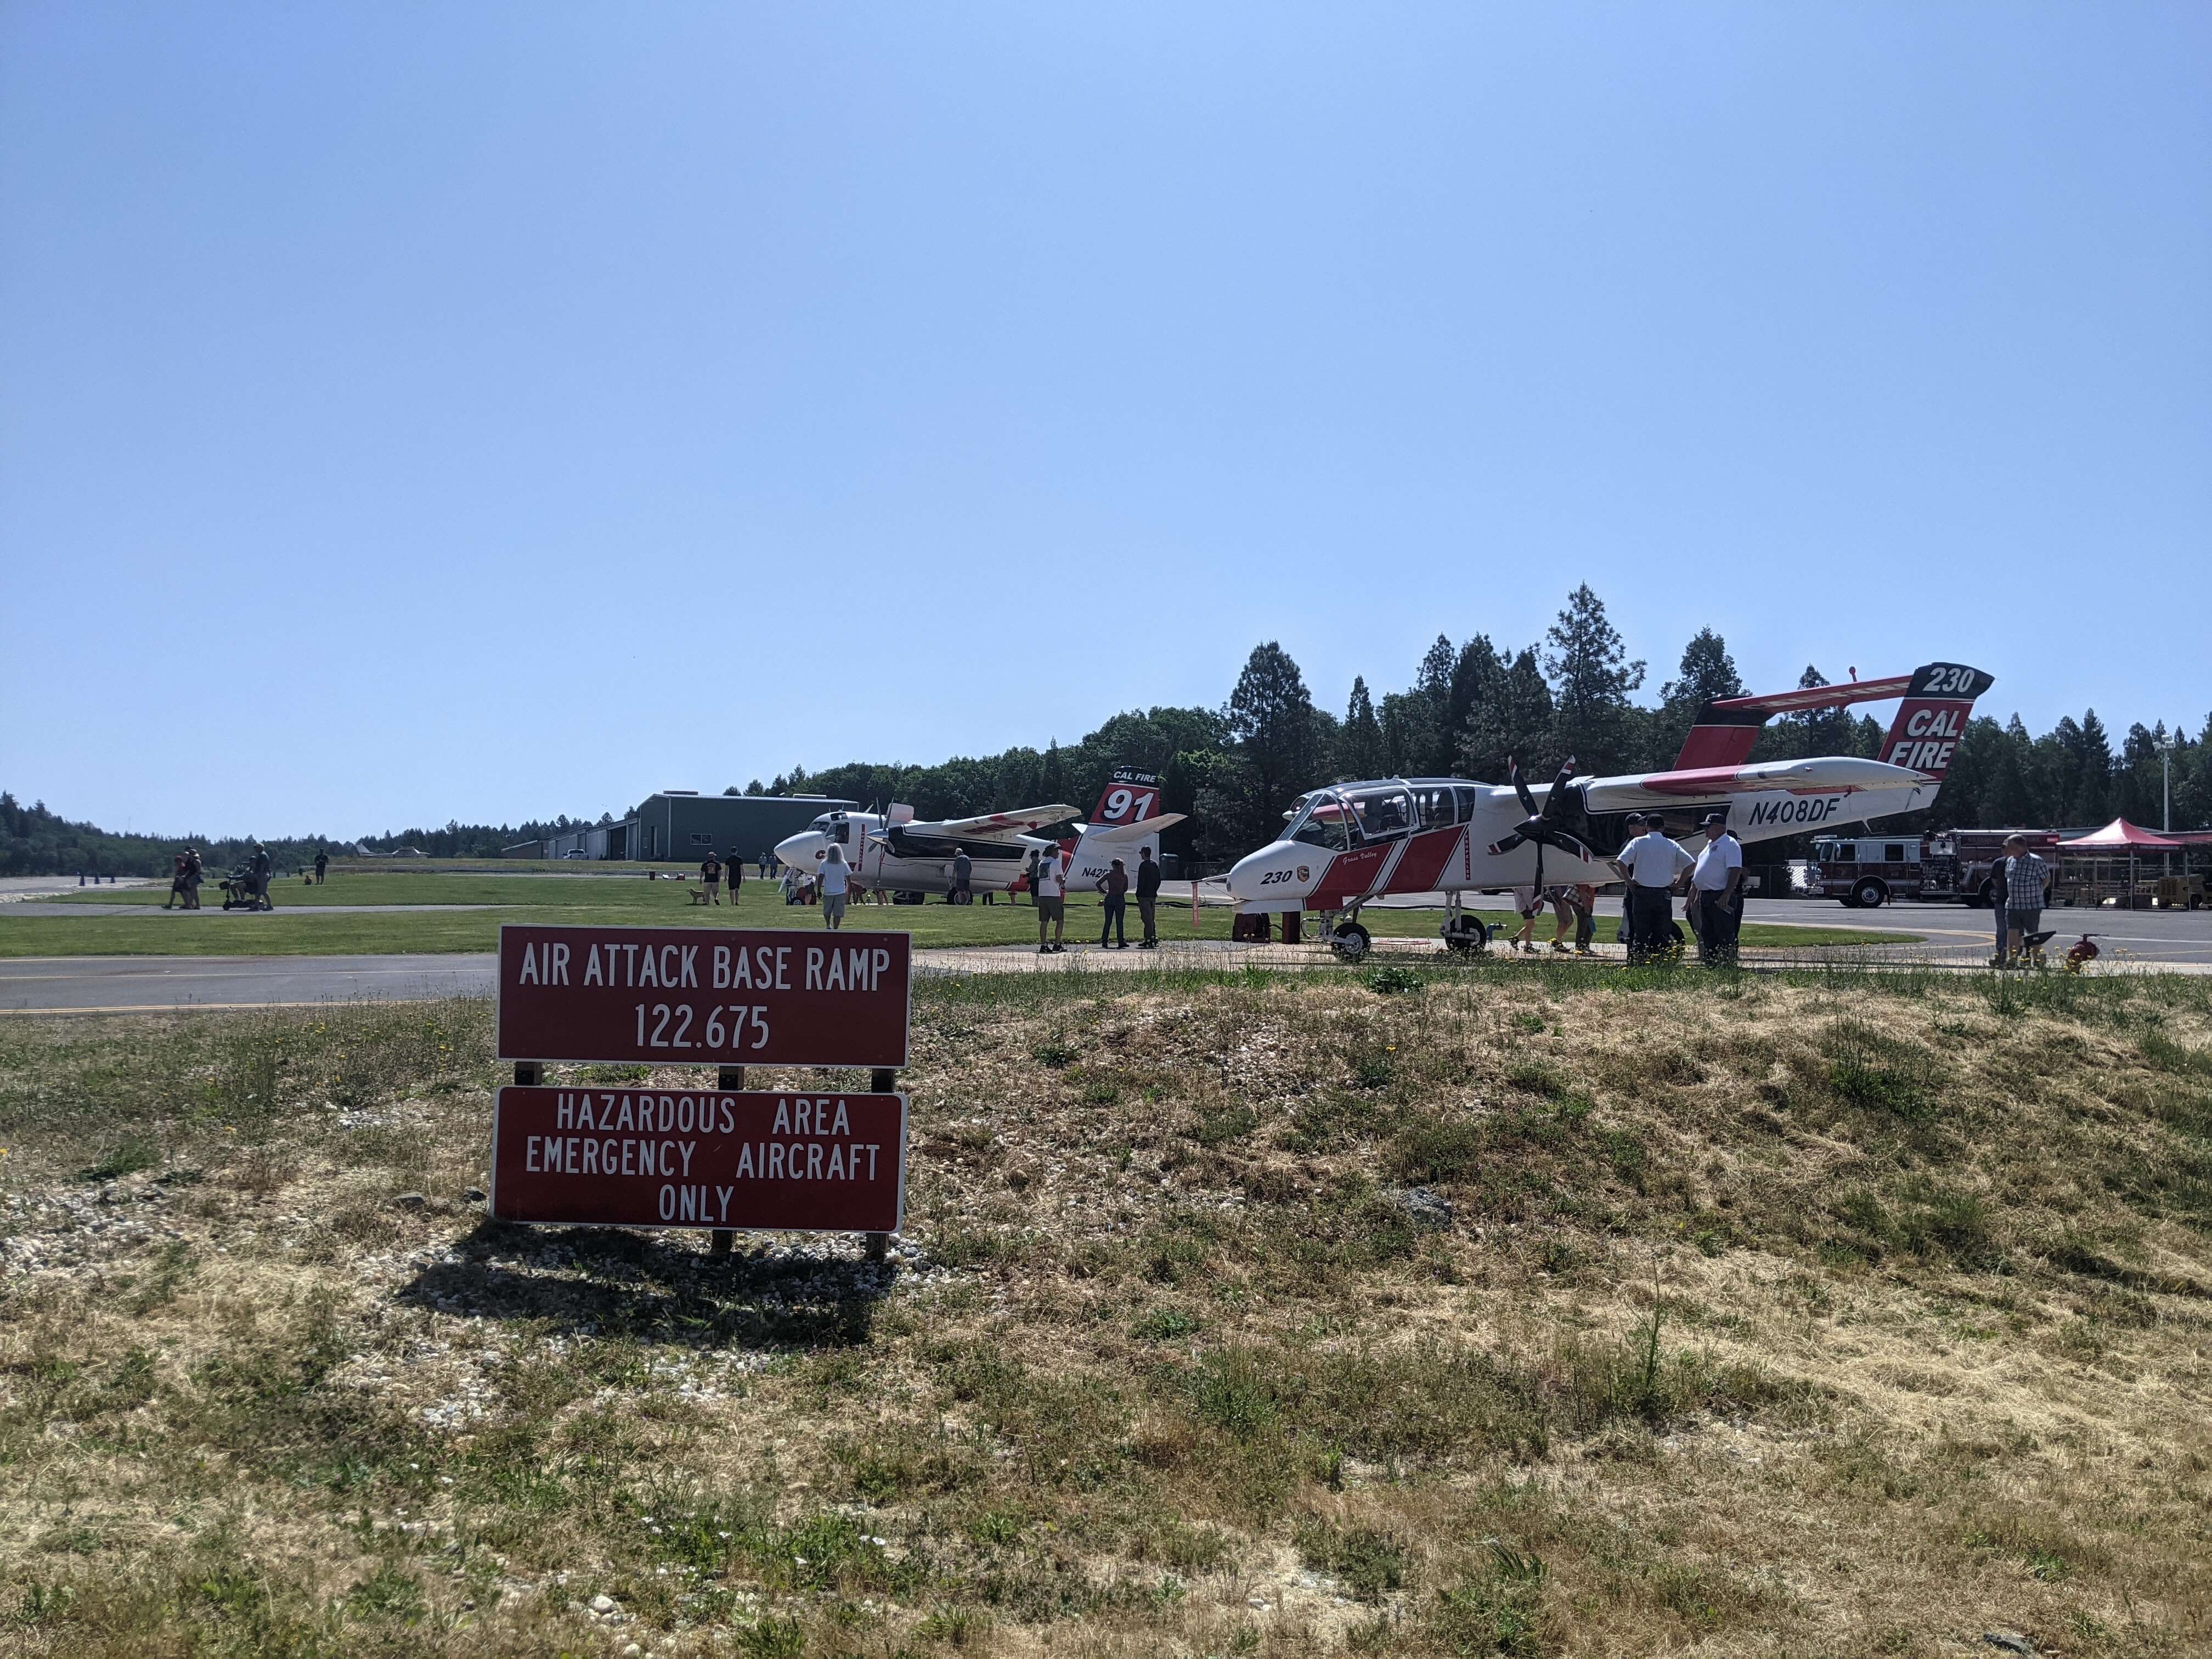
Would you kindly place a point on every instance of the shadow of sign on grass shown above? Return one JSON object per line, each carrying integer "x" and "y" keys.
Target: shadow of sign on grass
{"x": 606, "y": 1282}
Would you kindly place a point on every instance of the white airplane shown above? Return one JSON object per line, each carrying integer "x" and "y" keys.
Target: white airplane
{"x": 1354, "y": 842}
{"x": 895, "y": 852}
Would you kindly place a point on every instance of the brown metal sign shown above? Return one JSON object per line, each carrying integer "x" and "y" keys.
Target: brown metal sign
{"x": 703, "y": 996}
{"x": 699, "y": 1158}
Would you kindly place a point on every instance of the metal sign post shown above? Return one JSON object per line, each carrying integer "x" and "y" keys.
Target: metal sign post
{"x": 724, "y": 1159}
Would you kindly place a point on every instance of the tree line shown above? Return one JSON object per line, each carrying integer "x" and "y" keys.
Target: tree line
{"x": 1468, "y": 709}
{"x": 1472, "y": 707}
{"x": 35, "y": 842}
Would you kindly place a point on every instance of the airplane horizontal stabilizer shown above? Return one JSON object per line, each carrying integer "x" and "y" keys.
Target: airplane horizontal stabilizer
{"x": 1129, "y": 835}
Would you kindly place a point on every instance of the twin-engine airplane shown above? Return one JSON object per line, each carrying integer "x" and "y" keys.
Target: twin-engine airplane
{"x": 1351, "y": 843}
{"x": 895, "y": 851}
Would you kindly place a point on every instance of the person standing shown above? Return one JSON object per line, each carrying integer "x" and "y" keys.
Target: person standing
{"x": 2025, "y": 876}
{"x": 1585, "y": 917}
{"x": 322, "y": 865}
{"x": 1114, "y": 886}
{"x": 734, "y": 868}
{"x": 1051, "y": 895}
{"x": 710, "y": 872}
{"x": 177, "y": 885}
{"x": 1528, "y": 906}
{"x": 194, "y": 871}
{"x": 1651, "y": 865}
{"x": 835, "y": 878}
{"x": 1997, "y": 907}
{"x": 963, "y": 877}
{"x": 1148, "y": 898}
{"x": 1565, "y": 913}
{"x": 258, "y": 870}
{"x": 1716, "y": 893}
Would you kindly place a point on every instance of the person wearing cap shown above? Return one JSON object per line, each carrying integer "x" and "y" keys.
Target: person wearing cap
{"x": 710, "y": 874}
{"x": 1651, "y": 865}
{"x": 1716, "y": 893}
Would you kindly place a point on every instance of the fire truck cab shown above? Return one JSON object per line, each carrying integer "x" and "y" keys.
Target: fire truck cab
{"x": 1866, "y": 872}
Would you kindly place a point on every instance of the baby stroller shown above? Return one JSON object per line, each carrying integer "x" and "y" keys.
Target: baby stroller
{"x": 239, "y": 893}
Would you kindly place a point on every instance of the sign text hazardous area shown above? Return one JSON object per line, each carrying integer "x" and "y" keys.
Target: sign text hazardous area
{"x": 640, "y": 1157}
{"x": 687, "y": 995}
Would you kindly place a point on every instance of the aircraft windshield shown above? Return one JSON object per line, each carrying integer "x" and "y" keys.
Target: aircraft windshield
{"x": 1322, "y": 823}
{"x": 1382, "y": 813}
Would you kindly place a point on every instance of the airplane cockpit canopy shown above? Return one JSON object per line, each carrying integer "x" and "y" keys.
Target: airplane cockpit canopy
{"x": 1351, "y": 815}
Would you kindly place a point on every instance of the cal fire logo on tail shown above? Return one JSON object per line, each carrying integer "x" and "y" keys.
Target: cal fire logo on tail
{"x": 1130, "y": 798}
{"x": 1933, "y": 717}
{"x": 1127, "y": 819}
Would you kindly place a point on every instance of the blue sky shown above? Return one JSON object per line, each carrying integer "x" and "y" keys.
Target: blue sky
{"x": 415, "y": 411}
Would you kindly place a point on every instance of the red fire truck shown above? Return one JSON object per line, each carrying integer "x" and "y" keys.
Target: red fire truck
{"x": 1866, "y": 870}
{"x": 1863, "y": 871}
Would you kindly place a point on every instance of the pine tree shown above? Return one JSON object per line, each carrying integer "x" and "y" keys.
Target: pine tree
{"x": 1478, "y": 678}
{"x": 1591, "y": 679}
{"x": 1359, "y": 752}
{"x": 1514, "y": 723}
{"x": 1707, "y": 674}
{"x": 1271, "y": 716}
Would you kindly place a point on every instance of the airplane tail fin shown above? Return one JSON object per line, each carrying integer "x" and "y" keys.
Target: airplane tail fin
{"x": 1130, "y": 797}
{"x": 1932, "y": 719}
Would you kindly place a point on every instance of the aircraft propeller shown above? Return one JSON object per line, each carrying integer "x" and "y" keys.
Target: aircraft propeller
{"x": 1543, "y": 827}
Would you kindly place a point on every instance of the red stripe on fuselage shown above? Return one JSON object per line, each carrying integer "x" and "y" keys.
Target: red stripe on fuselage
{"x": 1427, "y": 855}
{"x": 1348, "y": 877}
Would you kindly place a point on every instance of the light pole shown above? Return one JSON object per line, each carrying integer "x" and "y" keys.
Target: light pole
{"x": 2164, "y": 784}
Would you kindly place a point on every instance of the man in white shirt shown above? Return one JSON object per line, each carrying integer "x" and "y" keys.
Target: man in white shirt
{"x": 1651, "y": 865}
{"x": 835, "y": 876}
{"x": 1051, "y": 892}
{"x": 1716, "y": 893}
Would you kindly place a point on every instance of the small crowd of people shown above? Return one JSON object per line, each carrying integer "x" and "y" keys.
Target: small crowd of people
{"x": 1049, "y": 885}
{"x": 1654, "y": 867}
{"x": 246, "y": 888}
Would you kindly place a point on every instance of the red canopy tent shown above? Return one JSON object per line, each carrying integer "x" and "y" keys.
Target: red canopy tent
{"x": 2119, "y": 839}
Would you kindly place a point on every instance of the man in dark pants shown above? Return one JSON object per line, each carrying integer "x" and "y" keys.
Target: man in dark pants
{"x": 1716, "y": 893}
{"x": 733, "y": 867}
{"x": 1651, "y": 865}
{"x": 964, "y": 878}
{"x": 1114, "y": 888}
{"x": 1148, "y": 898}
{"x": 322, "y": 865}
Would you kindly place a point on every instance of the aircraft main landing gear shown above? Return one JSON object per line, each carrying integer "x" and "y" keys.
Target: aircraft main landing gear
{"x": 1347, "y": 937}
{"x": 1465, "y": 935}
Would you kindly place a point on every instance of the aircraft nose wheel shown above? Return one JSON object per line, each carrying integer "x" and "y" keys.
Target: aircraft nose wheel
{"x": 1350, "y": 942}
{"x": 1466, "y": 935}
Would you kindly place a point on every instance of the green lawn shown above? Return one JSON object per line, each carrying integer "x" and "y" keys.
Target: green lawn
{"x": 304, "y": 925}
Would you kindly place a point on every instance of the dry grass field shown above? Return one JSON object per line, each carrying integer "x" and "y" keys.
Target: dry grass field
{"x": 1547, "y": 1312}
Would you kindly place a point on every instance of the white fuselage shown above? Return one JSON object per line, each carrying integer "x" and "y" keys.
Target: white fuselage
{"x": 870, "y": 847}
{"x": 1434, "y": 835}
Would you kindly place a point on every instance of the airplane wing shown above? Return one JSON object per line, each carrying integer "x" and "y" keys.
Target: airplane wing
{"x": 996, "y": 826}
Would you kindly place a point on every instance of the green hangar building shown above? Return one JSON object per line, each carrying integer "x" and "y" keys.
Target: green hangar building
{"x": 682, "y": 826}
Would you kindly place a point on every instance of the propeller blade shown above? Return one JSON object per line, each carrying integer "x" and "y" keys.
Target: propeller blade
{"x": 1565, "y": 842}
{"x": 1513, "y": 775}
{"x": 1555, "y": 804}
{"x": 1500, "y": 848}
